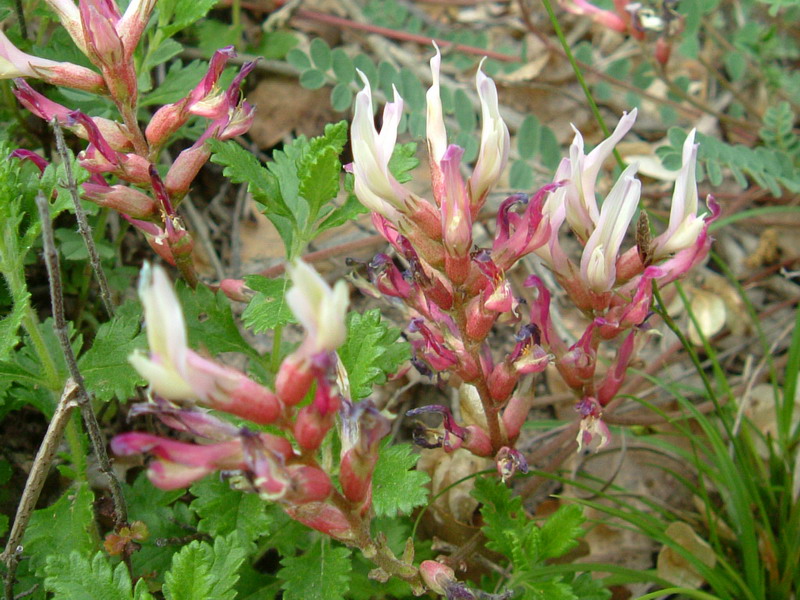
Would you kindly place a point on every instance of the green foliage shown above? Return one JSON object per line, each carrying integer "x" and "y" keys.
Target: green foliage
{"x": 209, "y": 321}
{"x": 65, "y": 527}
{"x": 75, "y": 577}
{"x": 164, "y": 517}
{"x": 396, "y": 487}
{"x": 202, "y": 572}
{"x": 267, "y": 309}
{"x": 105, "y": 366}
{"x": 769, "y": 168}
{"x": 296, "y": 190}
{"x": 225, "y": 511}
{"x": 320, "y": 573}
{"x": 528, "y": 546}
{"x": 371, "y": 352}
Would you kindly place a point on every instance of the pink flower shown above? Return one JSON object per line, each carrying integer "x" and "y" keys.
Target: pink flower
{"x": 375, "y": 186}
{"x": 178, "y": 373}
{"x": 16, "y": 63}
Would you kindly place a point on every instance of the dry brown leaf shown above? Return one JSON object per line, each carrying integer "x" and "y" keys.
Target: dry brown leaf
{"x": 675, "y": 568}
{"x": 709, "y": 312}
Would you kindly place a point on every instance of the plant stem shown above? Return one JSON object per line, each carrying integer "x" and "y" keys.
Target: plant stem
{"x": 33, "y": 486}
{"x": 84, "y": 400}
{"x": 579, "y": 76}
{"x": 80, "y": 215}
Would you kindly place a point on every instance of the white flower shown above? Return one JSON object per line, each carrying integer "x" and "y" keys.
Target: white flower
{"x": 375, "y": 187}
{"x": 684, "y": 225}
{"x": 165, "y": 368}
{"x": 581, "y": 206}
{"x": 598, "y": 262}
{"x": 320, "y": 309}
{"x": 495, "y": 140}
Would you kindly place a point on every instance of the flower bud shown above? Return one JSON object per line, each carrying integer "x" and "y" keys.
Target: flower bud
{"x": 495, "y": 143}
{"x": 121, "y": 198}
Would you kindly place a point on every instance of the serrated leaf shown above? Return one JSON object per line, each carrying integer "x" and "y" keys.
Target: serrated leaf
{"x": 225, "y": 511}
{"x": 200, "y": 572}
{"x": 175, "y": 15}
{"x": 105, "y": 365}
{"x": 502, "y": 513}
{"x": 371, "y": 352}
{"x": 561, "y": 530}
{"x": 164, "y": 517}
{"x": 321, "y": 573}
{"x": 209, "y": 321}
{"x": 403, "y": 161}
{"x": 74, "y": 577}
{"x": 396, "y": 487}
{"x": 268, "y": 308}
{"x": 66, "y": 526}
{"x": 340, "y": 215}
{"x": 242, "y": 166}
{"x": 319, "y": 169}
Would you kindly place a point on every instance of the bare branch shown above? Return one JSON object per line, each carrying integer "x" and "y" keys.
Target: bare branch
{"x": 83, "y": 398}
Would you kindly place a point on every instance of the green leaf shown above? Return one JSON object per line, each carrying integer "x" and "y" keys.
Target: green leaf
{"x": 66, "y": 526}
{"x": 174, "y": 15}
{"x": 168, "y": 48}
{"x": 343, "y": 67}
{"x": 396, "y": 487}
{"x": 242, "y": 166}
{"x": 341, "y": 97}
{"x": 321, "y": 573}
{"x": 528, "y": 137}
{"x": 364, "y": 63}
{"x": 521, "y": 175}
{"x": 298, "y": 59}
{"x": 213, "y": 34}
{"x": 319, "y": 168}
{"x": 403, "y": 161}
{"x": 561, "y": 531}
{"x": 502, "y": 513}
{"x": 268, "y": 308}
{"x": 72, "y": 247}
{"x": 321, "y": 54}
{"x": 178, "y": 81}
{"x": 413, "y": 92}
{"x": 209, "y": 321}
{"x": 74, "y": 577}
{"x": 465, "y": 114}
{"x": 105, "y": 365}
{"x": 312, "y": 79}
{"x": 340, "y": 215}
{"x": 371, "y": 352}
{"x": 200, "y": 572}
{"x": 224, "y": 511}
{"x": 276, "y": 45}
{"x": 164, "y": 517}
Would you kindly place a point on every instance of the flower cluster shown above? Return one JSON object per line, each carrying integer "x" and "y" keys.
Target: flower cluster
{"x": 454, "y": 294}
{"x": 108, "y": 38}
{"x": 280, "y": 468}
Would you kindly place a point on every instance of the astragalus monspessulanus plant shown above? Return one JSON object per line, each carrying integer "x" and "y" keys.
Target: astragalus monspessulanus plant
{"x": 122, "y": 149}
{"x": 454, "y": 294}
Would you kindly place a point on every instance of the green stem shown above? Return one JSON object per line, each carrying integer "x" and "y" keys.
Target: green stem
{"x": 579, "y": 76}
{"x": 678, "y": 590}
{"x": 275, "y": 357}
